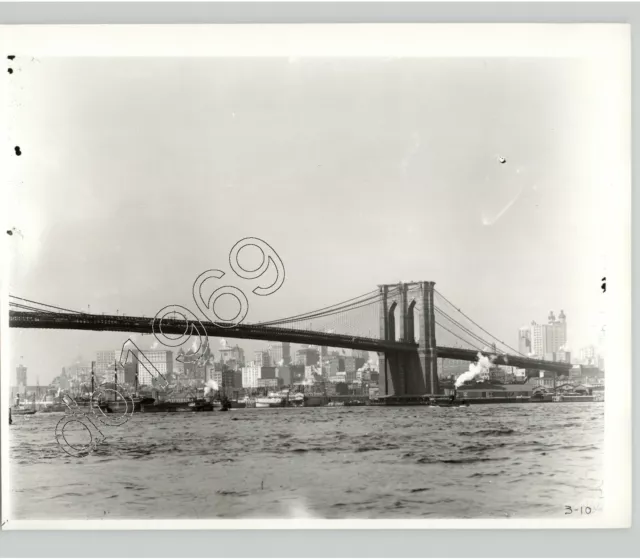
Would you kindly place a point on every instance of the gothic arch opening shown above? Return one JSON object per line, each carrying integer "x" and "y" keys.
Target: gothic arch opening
{"x": 392, "y": 320}
{"x": 413, "y": 325}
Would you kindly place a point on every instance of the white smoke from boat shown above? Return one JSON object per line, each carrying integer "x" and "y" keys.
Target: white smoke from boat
{"x": 210, "y": 387}
{"x": 482, "y": 366}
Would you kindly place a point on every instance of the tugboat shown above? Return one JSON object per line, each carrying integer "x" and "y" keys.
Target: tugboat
{"x": 451, "y": 403}
{"x": 22, "y": 410}
{"x": 200, "y": 405}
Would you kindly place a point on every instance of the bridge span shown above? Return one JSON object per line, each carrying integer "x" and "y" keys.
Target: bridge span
{"x": 402, "y": 316}
{"x": 144, "y": 325}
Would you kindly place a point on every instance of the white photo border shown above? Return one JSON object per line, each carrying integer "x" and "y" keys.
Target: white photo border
{"x": 605, "y": 46}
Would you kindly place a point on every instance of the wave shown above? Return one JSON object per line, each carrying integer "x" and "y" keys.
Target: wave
{"x": 461, "y": 461}
{"x": 384, "y": 447}
{"x": 496, "y": 432}
{"x": 482, "y": 447}
{"x": 490, "y": 474}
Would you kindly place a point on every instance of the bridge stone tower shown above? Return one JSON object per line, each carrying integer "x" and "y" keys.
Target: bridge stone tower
{"x": 409, "y": 372}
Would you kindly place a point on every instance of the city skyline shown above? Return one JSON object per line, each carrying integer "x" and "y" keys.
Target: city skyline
{"x": 588, "y": 354}
{"x": 440, "y": 206}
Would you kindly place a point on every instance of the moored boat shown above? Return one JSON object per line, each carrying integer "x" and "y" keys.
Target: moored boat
{"x": 281, "y": 399}
{"x": 273, "y": 400}
{"x": 239, "y": 404}
{"x": 22, "y": 411}
{"x": 197, "y": 405}
{"x": 573, "y": 397}
{"x": 297, "y": 399}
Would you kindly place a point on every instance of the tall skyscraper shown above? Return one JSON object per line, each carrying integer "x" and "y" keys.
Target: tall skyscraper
{"x": 284, "y": 373}
{"x": 544, "y": 340}
{"x": 225, "y": 381}
{"x": 105, "y": 360}
{"x": 251, "y": 375}
{"x": 280, "y": 351}
{"x": 538, "y": 339}
{"x": 229, "y": 353}
{"x": 349, "y": 364}
{"x": 21, "y": 376}
{"x": 262, "y": 358}
{"x": 152, "y": 362}
{"x": 524, "y": 341}
{"x": 556, "y": 332}
{"x": 307, "y": 356}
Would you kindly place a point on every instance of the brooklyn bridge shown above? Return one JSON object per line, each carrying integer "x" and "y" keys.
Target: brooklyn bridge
{"x": 401, "y": 322}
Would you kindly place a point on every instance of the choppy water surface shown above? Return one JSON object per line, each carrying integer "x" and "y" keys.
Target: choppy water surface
{"x": 365, "y": 462}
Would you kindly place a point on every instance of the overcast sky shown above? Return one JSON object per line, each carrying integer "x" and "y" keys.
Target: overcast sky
{"x": 139, "y": 174}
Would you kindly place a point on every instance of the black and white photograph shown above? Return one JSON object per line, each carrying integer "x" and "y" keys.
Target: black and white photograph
{"x": 362, "y": 274}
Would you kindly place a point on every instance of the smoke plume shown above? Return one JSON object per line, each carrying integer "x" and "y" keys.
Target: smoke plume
{"x": 195, "y": 345}
{"x": 483, "y": 365}
{"x": 209, "y": 387}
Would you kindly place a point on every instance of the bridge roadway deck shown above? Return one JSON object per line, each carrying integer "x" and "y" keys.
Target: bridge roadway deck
{"x": 145, "y": 325}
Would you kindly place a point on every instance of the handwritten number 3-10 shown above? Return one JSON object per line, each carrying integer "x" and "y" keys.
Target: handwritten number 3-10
{"x": 568, "y": 510}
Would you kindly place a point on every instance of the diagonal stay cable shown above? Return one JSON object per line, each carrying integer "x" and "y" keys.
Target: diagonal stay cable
{"x": 30, "y": 308}
{"x": 459, "y": 337}
{"x": 476, "y": 324}
{"x": 463, "y": 328}
{"x": 303, "y": 315}
{"x": 47, "y": 305}
{"x": 335, "y": 313}
{"x": 330, "y": 310}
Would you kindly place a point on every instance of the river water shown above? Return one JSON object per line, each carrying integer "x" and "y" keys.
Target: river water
{"x": 521, "y": 460}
